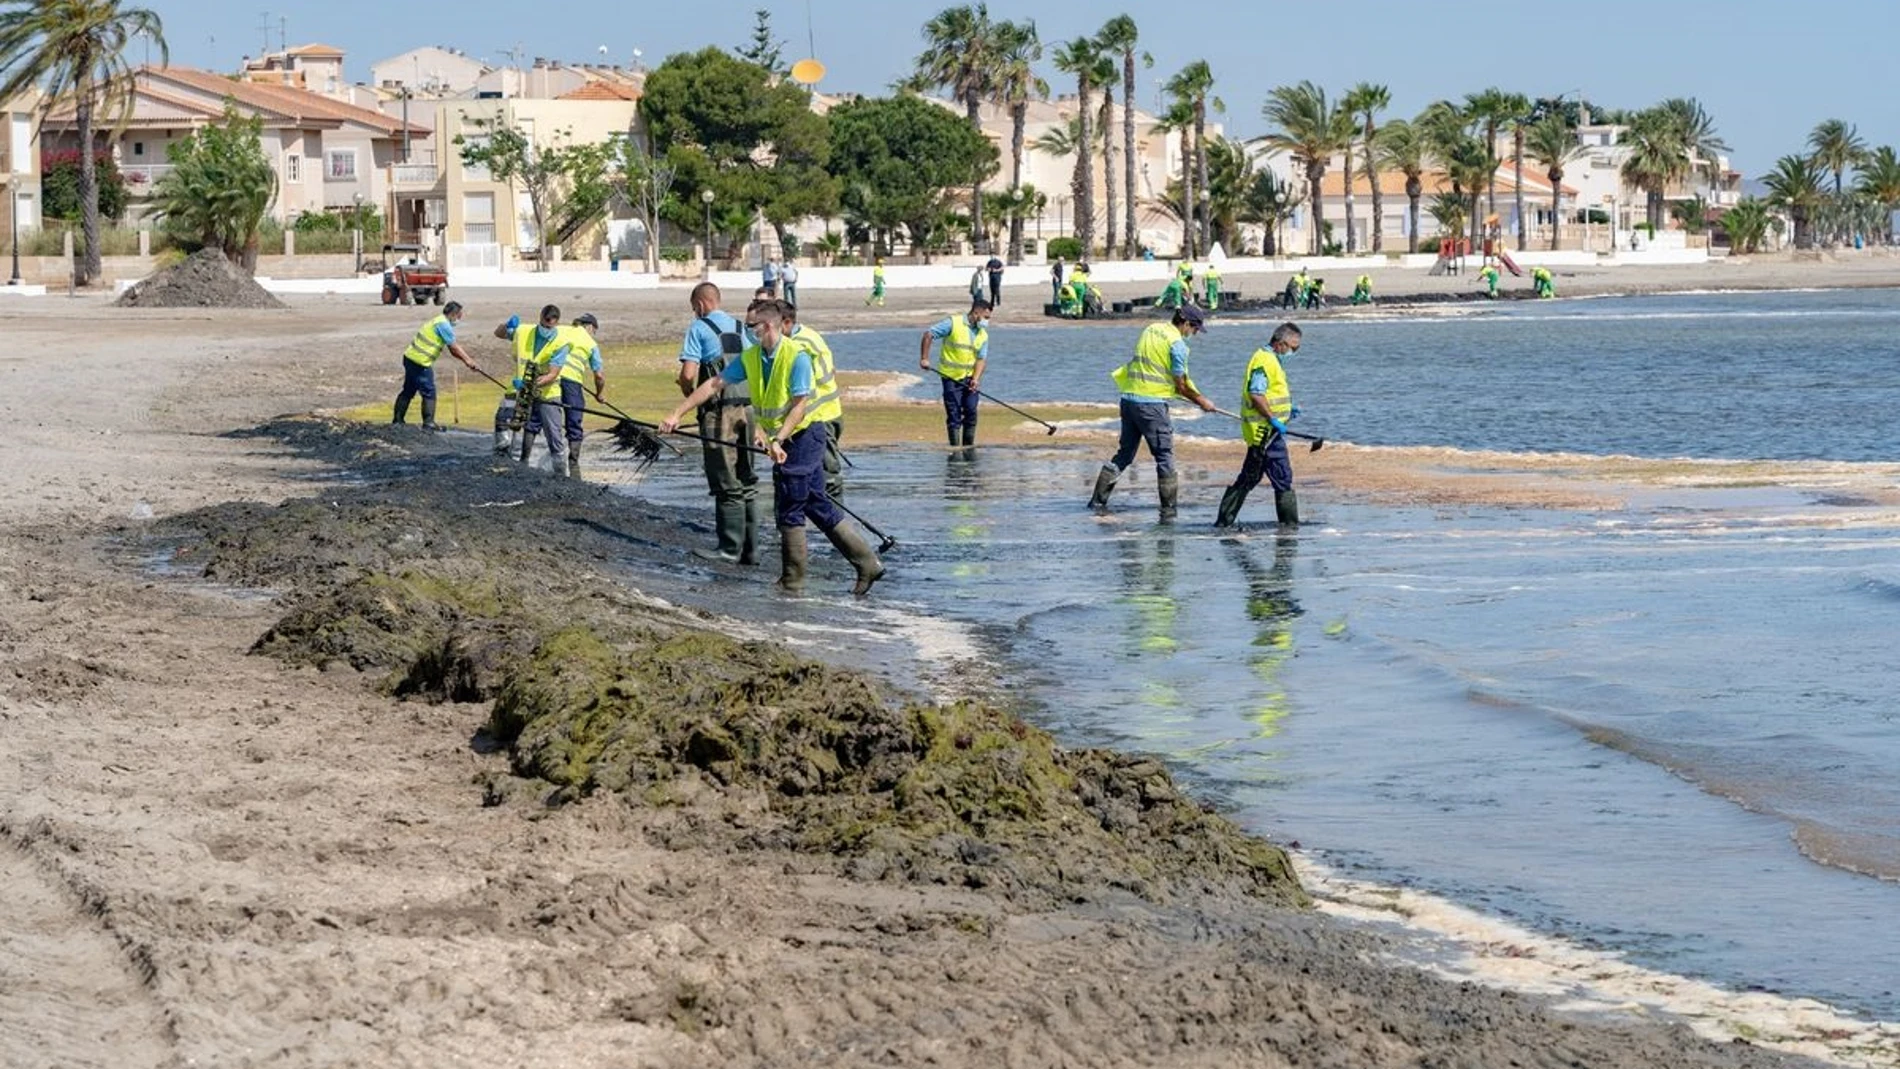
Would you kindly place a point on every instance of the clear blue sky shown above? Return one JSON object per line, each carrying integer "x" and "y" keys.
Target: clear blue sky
{"x": 1767, "y": 72}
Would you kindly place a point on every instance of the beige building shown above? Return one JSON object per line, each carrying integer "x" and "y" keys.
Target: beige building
{"x": 313, "y": 67}
{"x": 20, "y": 169}
{"x": 328, "y": 154}
{"x": 429, "y": 71}
{"x": 488, "y": 222}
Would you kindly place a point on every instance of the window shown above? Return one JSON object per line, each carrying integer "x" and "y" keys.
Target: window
{"x": 475, "y": 172}
{"x": 138, "y": 148}
{"x": 478, "y": 218}
{"x": 293, "y": 168}
{"x": 340, "y": 165}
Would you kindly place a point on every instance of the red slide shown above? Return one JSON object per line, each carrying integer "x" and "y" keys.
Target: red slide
{"x": 1509, "y": 264}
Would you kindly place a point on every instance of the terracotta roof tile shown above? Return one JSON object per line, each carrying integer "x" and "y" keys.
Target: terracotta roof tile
{"x": 276, "y": 99}
{"x": 601, "y": 90}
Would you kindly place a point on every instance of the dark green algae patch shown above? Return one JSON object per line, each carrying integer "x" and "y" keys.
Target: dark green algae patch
{"x": 719, "y": 743}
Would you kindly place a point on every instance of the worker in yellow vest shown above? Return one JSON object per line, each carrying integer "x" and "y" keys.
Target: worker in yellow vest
{"x": 580, "y": 366}
{"x": 537, "y": 351}
{"x": 825, "y": 395}
{"x": 1210, "y": 280}
{"x": 964, "y": 353}
{"x": 777, "y": 372}
{"x": 1266, "y": 403}
{"x": 418, "y": 364}
{"x": 1157, "y": 374}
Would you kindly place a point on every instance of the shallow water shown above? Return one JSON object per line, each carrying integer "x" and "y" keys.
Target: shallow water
{"x": 1666, "y": 731}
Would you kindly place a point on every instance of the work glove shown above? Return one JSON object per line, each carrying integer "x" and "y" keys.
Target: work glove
{"x": 514, "y": 322}
{"x": 517, "y": 383}
{"x": 1278, "y": 426}
{"x": 1293, "y": 415}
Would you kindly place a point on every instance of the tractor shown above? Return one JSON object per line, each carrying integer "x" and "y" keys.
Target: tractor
{"x": 409, "y": 279}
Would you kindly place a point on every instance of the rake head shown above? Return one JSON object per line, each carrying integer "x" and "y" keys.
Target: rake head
{"x": 1317, "y": 442}
{"x": 886, "y": 545}
{"x": 630, "y": 437}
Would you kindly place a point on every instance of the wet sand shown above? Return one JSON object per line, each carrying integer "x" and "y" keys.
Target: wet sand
{"x": 221, "y": 857}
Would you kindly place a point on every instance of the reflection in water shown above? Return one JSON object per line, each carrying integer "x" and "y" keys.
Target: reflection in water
{"x": 1272, "y": 607}
{"x": 1150, "y": 615}
{"x": 968, "y": 531}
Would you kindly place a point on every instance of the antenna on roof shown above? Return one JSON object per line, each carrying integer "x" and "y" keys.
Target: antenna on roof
{"x": 283, "y": 33}
{"x": 265, "y": 27}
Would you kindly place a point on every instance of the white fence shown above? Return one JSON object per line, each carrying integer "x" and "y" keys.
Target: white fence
{"x": 475, "y": 257}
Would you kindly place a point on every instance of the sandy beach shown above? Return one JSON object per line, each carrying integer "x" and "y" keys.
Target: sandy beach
{"x": 245, "y": 822}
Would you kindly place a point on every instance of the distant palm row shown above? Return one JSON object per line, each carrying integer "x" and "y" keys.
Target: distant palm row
{"x": 978, "y": 61}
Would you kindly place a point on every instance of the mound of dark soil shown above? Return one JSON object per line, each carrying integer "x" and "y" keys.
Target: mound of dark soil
{"x": 206, "y": 279}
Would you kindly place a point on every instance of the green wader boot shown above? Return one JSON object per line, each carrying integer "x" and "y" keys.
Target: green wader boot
{"x": 1287, "y": 504}
{"x": 969, "y": 435}
{"x": 1230, "y": 503}
{"x": 730, "y": 519}
{"x": 749, "y": 542}
{"x": 428, "y": 415}
{"x": 573, "y": 460}
{"x": 1169, "y": 488}
{"x": 793, "y": 554}
{"x": 1104, "y": 485}
{"x": 859, "y": 553}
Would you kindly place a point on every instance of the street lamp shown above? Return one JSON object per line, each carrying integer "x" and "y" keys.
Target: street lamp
{"x": 706, "y": 198}
{"x": 13, "y": 197}
{"x": 357, "y": 218}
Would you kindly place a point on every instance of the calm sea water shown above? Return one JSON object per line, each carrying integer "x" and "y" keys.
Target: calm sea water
{"x": 1668, "y": 731}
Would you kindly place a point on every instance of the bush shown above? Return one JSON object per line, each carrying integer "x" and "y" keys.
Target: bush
{"x": 59, "y": 185}
{"x": 113, "y": 241}
{"x": 1065, "y": 249}
{"x": 676, "y": 254}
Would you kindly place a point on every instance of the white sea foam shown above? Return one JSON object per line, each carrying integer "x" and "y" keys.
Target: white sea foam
{"x": 1463, "y": 944}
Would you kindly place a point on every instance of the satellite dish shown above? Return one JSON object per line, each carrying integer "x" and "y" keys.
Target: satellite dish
{"x": 807, "y": 71}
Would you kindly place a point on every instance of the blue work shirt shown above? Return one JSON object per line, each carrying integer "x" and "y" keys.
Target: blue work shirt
{"x": 1257, "y": 383}
{"x": 801, "y": 368}
{"x": 446, "y": 331}
{"x": 942, "y": 330}
{"x": 702, "y": 338}
{"x": 1177, "y": 366}
{"x": 541, "y": 336}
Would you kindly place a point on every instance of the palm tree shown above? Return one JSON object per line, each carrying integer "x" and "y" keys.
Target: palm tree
{"x": 1747, "y": 224}
{"x": 960, "y": 55}
{"x": 1078, "y": 58}
{"x": 1879, "y": 181}
{"x": 1230, "y": 175}
{"x": 1491, "y": 109}
{"x": 1553, "y": 143}
{"x": 1017, "y": 47}
{"x": 1837, "y": 146}
{"x": 1269, "y": 202}
{"x": 1518, "y": 109}
{"x": 1366, "y": 101}
{"x": 1310, "y": 129}
{"x": 1695, "y": 129}
{"x": 1401, "y": 146}
{"x": 1120, "y": 36}
{"x": 1193, "y": 84}
{"x": 1451, "y": 211}
{"x": 1105, "y": 72}
{"x": 75, "y": 51}
{"x": 1657, "y": 158}
{"x": 1449, "y": 131}
{"x": 1795, "y": 186}
{"x": 1179, "y": 119}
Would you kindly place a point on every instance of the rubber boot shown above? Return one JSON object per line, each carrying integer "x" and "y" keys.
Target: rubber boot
{"x": 428, "y": 415}
{"x": 401, "y": 415}
{"x": 793, "y": 554}
{"x": 504, "y": 442}
{"x": 950, "y": 430}
{"x": 1104, "y": 485}
{"x": 1168, "y": 487}
{"x": 1287, "y": 504}
{"x": 862, "y": 557}
{"x": 1230, "y": 503}
{"x": 729, "y": 518}
{"x": 969, "y": 435}
{"x": 558, "y": 465}
{"x": 749, "y": 542}
{"x": 573, "y": 460}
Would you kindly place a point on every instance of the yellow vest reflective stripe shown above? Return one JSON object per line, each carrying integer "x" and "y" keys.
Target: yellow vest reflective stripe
{"x": 427, "y": 344}
{"x": 532, "y": 362}
{"x": 1253, "y": 425}
{"x": 824, "y": 375}
{"x": 1148, "y": 374}
{"x": 959, "y": 354}
{"x": 772, "y": 396}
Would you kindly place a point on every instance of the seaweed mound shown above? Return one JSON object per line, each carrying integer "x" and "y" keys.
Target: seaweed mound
{"x": 205, "y": 279}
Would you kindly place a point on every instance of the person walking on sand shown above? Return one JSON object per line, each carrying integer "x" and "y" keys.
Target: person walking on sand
{"x": 964, "y": 353}
{"x": 1055, "y": 280}
{"x": 769, "y": 278}
{"x": 788, "y": 281}
{"x": 579, "y": 364}
{"x": 777, "y": 373}
{"x": 825, "y": 397}
{"x": 995, "y": 267}
{"x": 1266, "y": 404}
{"x": 712, "y": 344}
{"x": 418, "y": 364}
{"x": 877, "y": 284}
{"x": 1157, "y": 374}
{"x": 979, "y": 284}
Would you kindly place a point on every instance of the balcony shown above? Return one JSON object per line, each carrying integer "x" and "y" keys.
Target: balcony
{"x": 413, "y": 175}
{"x": 140, "y": 178}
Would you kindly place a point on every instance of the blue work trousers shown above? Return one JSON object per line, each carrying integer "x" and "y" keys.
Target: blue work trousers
{"x": 798, "y": 484}
{"x": 1146, "y": 422}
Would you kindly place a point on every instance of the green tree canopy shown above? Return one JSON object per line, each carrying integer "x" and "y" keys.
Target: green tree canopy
{"x": 899, "y": 158}
{"x": 219, "y": 188}
{"x": 726, "y": 125}
{"x": 59, "y": 185}
{"x": 565, "y": 182}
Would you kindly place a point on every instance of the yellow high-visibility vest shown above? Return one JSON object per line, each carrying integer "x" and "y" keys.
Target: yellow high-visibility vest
{"x": 1253, "y": 425}
{"x": 1147, "y": 376}
{"x": 427, "y": 344}
{"x": 772, "y": 396}
{"x": 960, "y": 349}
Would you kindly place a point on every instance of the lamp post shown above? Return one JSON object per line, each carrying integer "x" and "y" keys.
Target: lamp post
{"x": 13, "y": 211}
{"x": 1062, "y": 202}
{"x": 706, "y": 198}
{"x": 356, "y": 218}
